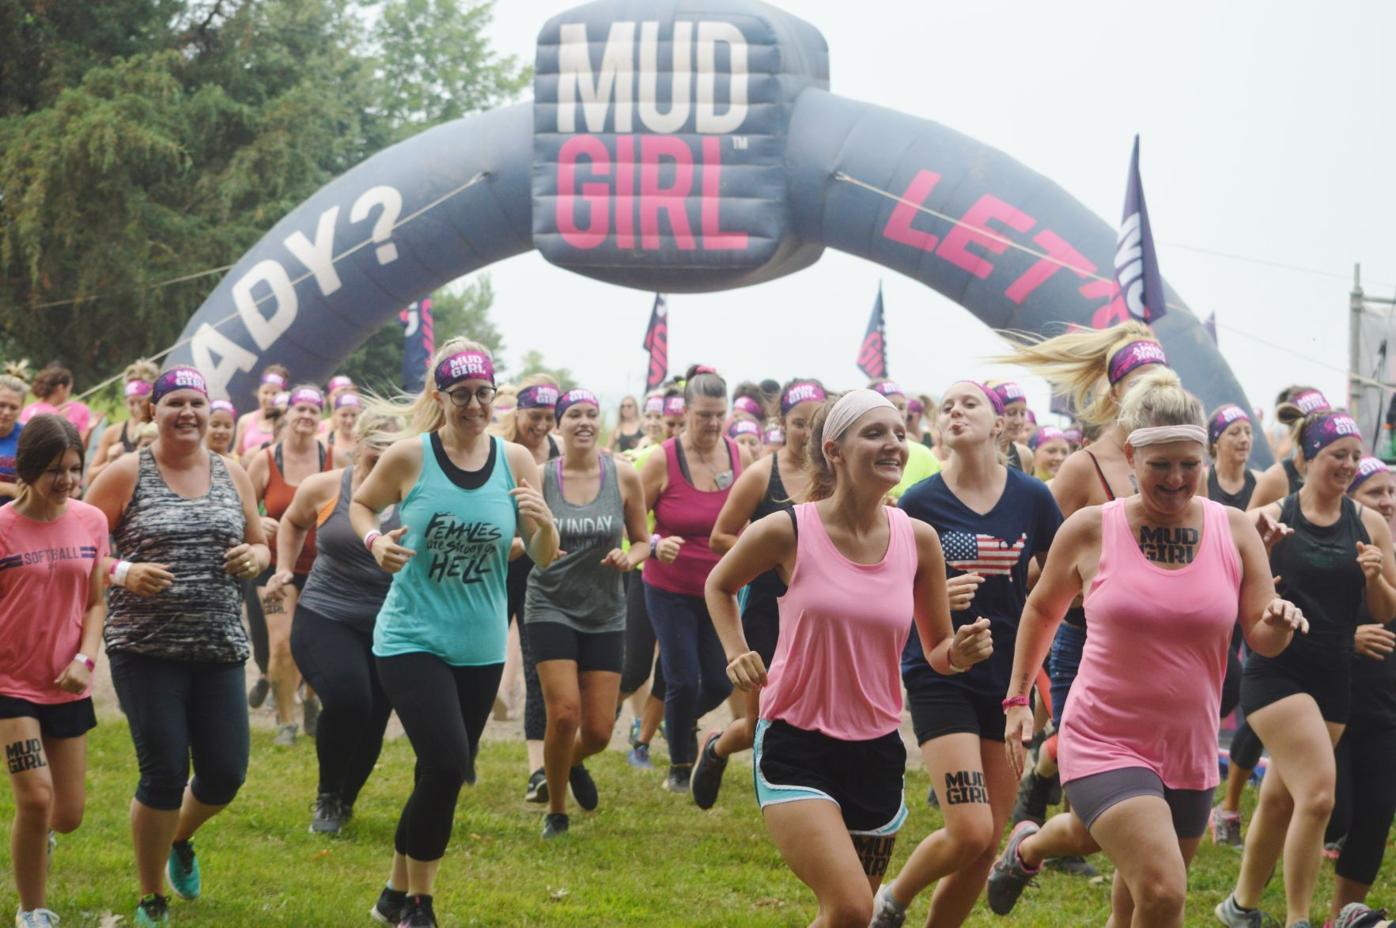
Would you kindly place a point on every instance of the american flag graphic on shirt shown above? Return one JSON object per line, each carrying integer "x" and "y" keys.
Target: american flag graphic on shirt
{"x": 982, "y": 554}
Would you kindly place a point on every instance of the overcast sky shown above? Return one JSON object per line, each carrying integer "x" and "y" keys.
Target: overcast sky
{"x": 1268, "y": 131}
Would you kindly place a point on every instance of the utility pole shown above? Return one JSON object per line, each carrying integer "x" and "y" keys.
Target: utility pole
{"x": 1359, "y": 382}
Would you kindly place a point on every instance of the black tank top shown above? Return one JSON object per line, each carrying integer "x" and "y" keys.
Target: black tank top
{"x": 1076, "y": 615}
{"x": 763, "y": 592}
{"x": 1374, "y": 684}
{"x": 1296, "y": 479}
{"x": 1318, "y": 572}
{"x": 1238, "y": 500}
{"x": 127, "y": 445}
{"x": 1014, "y": 459}
{"x": 626, "y": 442}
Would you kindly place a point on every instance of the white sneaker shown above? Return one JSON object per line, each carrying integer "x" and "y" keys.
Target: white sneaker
{"x": 35, "y": 918}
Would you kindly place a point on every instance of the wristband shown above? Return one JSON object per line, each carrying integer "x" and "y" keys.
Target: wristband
{"x": 370, "y": 538}
{"x": 654, "y": 542}
{"x": 85, "y": 661}
{"x": 119, "y": 571}
{"x": 1015, "y": 702}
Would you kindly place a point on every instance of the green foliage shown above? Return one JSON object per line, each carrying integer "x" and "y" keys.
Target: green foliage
{"x": 147, "y": 140}
{"x": 533, "y": 363}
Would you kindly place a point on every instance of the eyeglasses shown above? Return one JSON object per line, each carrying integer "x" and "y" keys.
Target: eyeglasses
{"x": 483, "y": 395}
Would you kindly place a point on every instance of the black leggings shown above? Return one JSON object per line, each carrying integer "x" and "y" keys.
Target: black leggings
{"x": 639, "y": 643}
{"x": 1245, "y": 747}
{"x": 337, "y": 660}
{"x": 180, "y": 710}
{"x": 535, "y": 717}
{"x": 1365, "y": 799}
{"x": 256, "y": 625}
{"x": 443, "y": 710}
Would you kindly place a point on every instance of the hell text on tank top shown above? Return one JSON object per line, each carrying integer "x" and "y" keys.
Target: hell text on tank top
{"x": 763, "y": 592}
{"x": 278, "y": 496}
{"x": 577, "y": 590}
{"x": 843, "y": 624}
{"x": 199, "y": 618}
{"x": 1149, "y": 687}
{"x": 1318, "y": 571}
{"x": 345, "y": 583}
{"x": 684, "y": 510}
{"x": 1238, "y": 500}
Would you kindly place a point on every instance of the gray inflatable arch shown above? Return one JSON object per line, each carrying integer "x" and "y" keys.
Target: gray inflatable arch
{"x": 681, "y": 146}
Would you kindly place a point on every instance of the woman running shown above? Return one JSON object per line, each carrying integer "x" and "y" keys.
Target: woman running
{"x": 747, "y": 434}
{"x": 53, "y": 386}
{"x": 1012, "y": 443}
{"x": 276, "y": 473}
{"x": 1166, "y": 573}
{"x": 332, "y": 629}
{"x": 628, "y": 431}
{"x": 462, "y": 496}
{"x": 12, "y": 393}
{"x": 574, "y": 610}
{"x": 1286, "y": 475}
{"x": 122, "y": 439}
{"x": 186, "y": 526}
{"x": 915, "y": 414}
{"x": 1336, "y": 559}
{"x": 51, "y": 612}
{"x": 686, "y": 487}
{"x": 920, "y": 462}
{"x": 257, "y": 429}
{"x": 748, "y": 403}
{"x": 772, "y": 440}
{"x": 222, "y": 427}
{"x": 1365, "y": 793}
{"x": 652, "y": 425}
{"x": 992, "y": 521}
{"x": 1049, "y": 449}
{"x": 347, "y": 406}
{"x": 828, "y": 757}
{"x": 767, "y": 486}
{"x": 675, "y": 415}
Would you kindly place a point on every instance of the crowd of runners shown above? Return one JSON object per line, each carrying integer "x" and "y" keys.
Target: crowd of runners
{"x": 1068, "y": 615}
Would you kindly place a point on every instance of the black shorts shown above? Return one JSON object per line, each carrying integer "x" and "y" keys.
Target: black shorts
{"x": 939, "y": 709}
{"x": 863, "y": 778}
{"x": 553, "y": 641}
{"x": 57, "y": 720}
{"x": 263, "y": 578}
{"x": 1266, "y": 680}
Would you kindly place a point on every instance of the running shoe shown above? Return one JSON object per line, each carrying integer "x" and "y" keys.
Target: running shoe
{"x": 1226, "y": 828}
{"x": 707, "y": 773}
{"x": 152, "y": 912}
{"x": 555, "y": 824}
{"x": 1233, "y": 916}
{"x": 35, "y": 918}
{"x": 258, "y": 694}
{"x": 1334, "y": 849}
{"x": 887, "y": 912}
{"x": 285, "y": 735}
{"x": 417, "y": 913}
{"x": 1072, "y": 866}
{"x": 310, "y": 714}
{"x": 635, "y": 727}
{"x": 1033, "y": 794}
{"x": 1010, "y": 876}
{"x": 639, "y": 757}
{"x": 182, "y": 869}
{"x": 388, "y": 909}
{"x": 678, "y": 778}
{"x": 1359, "y": 915}
{"x": 583, "y": 787}
{"x": 537, "y": 789}
{"x": 329, "y": 815}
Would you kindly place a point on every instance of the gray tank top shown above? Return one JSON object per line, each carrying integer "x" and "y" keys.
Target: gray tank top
{"x": 199, "y": 617}
{"x": 345, "y": 583}
{"x": 576, "y": 590}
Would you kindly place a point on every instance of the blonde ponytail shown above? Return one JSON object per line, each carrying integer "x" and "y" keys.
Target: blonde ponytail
{"x": 1157, "y": 398}
{"x": 1077, "y": 364}
{"x": 420, "y": 413}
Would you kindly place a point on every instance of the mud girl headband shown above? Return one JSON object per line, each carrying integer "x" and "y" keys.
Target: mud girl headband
{"x": 773, "y": 436}
{"x": 1322, "y": 432}
{"x": 223, "y": 406}
{"x": 275, "y": 379}
{"x": 463, "y": 365}
{"x": 573, "y": 397}
{"x": 1133, "y": 356}
{"x": 138, "y": 388}
{"x": 1368, "y": 467}
{"x": 1310, "y": 402}
{"x": 539, "y": 396}
{"x": 308, "y": 395}
{"x": 339, "y": 382}
{"x": 654, "y": 404}
{"x": 803, "y": 392}
{"x": 1221, "y": 421}
{"x": 674, "y": 406}
{"x": 1008, "y": 393}
{"x": 743, "y": 427}
{"x": 749, "y": 406}
{"x": 348, "y": 399}
{"x": 851, "y": 407}
{"x": 889, "y": 388}
{"x": 178, "y": 378}
{"x": 1045, "y": 434}
{"x": 1162, "y": 434}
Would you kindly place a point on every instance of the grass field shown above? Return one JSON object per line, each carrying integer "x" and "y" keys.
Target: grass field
{"x": 646, "y": 857}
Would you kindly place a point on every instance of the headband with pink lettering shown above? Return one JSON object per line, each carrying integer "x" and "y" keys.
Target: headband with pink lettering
{"x": 538, "y": 396}
{"x": 1325, "y": 430}
{"x": 574, "y": 397}
{"x": 178, "y": 378}
{"x": 138, "y": 388}
{"x": 773, "y": 436}
{"x": 463, "y": 365}
{"x": 223, "y": 406}
{"x": 1045, "y": 434}
{"x": 282, "y": 400}
{"x": 1310, "y": 401}
{"x": 674, "y": 406}
{"x": 275, "y": 379}
{"x": 915, "y": 407}
{"x": 743, "y": 427}
{"x": 1221, "y": 421}
{"x": 1073, "y": 436}
{"x": 1134, "y": 356}
{"x": 1367, "y": 467}
{"x": 806, "y": 391}
{"x": 654, "y": 404}
{"x": 1009, "y": 393}
{"x": 339, "y": 382}
{"x": 990, "y": 394}
{"x": 888, "y": 388}
{"x": 348, "y": 399}
{"x": 749, "y": 406}
{"x": 307, "y": 395}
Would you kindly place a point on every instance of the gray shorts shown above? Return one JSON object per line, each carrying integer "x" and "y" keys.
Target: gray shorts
{"x": 1091, "y": 796}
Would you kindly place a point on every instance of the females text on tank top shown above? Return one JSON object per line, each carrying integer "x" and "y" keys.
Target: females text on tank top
{"x": 277, "y": 497}
{"x": 1318, "y": 571}
{"x": 1149, "y": 686}
{"x": 689, "y": 513}
{"x": 1238, "y": 500}
{"x": 199, "y": 617}
{"x": 346, "y": 584}
{"x": 836, "y": 668}
{"x": 450, "y": 599}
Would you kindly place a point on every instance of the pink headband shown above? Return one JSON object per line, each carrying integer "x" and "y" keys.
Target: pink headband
{"x": 654, "y": 404}
{"x": 339, "y": 382}
{"x": 743, "y": 427}
{"x": 915, "y": 407}
{"x": 178, "y": 378}
{"x": 1310, "y": 402}
{"x": 803, "y": 392}
{"x": 1132, "y": 356}
{"x": 223, "y": 406}
{"x": 1045, "y": 434}
{"x": 1324, "y": 431}
{"x": 749, "y": 406}
{"x": 538, "y": 396}
{"x": 275, "y": 379}
{"x": 574, "y": 397}
{"x": 348, "y": 399}
{"x": 1222, "y": 419}
{"x": 773, "y": 436}
{"x": 307, "y": 395}
{"x": 994, "y": 399}
{"x": 464, "y": 365}
{"x": 1367, "y": 467}
{"x": 1009, "y": 392}
{"x": 138, "y": 388}
{"x": 889, "y": 388}
{"x": 674, "y": 406}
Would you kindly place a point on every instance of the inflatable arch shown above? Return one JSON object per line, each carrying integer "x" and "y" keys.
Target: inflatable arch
{"x": 681, "y": 146}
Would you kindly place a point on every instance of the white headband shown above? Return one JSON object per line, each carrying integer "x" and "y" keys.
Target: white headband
{"x": 1161, "y": 434}
{"x": 851, "y": 407}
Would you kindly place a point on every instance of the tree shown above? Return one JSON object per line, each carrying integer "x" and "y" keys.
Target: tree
{"x": 533, "y": 364}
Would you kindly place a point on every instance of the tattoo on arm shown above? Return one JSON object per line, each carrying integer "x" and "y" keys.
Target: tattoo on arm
{"x": 965, "y": 786}
{"x": 25, "y": 755}
{"x": 1169, "y": 545}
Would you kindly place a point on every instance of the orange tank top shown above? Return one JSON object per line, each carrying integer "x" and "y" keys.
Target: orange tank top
{"x": 277, "y": 499}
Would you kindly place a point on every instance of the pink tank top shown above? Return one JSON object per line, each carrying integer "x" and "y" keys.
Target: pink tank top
{"x": 254, "y": 436}
{"x": 1149, "y": 688}
{"x": 689, "y": 513}
{"x": 837, "y": 666}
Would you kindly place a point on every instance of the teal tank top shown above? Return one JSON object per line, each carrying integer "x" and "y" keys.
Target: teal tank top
{"x": 450, "y": 599}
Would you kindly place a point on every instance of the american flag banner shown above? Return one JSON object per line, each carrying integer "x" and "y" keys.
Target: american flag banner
{"x": 982, "y": 554}
{"x": 872, "y": 354}
{"x": 657, "y": 343}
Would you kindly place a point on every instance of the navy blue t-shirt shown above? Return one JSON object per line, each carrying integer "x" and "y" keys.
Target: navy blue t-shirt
{"x": 9, "y": 446}
{"x": 996, "y": 545}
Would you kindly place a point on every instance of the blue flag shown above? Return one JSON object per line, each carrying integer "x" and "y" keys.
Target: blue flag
{"x": 418, "y": 344}
{"x": 1136, "y": 264}
{"x": 872, "y": 354}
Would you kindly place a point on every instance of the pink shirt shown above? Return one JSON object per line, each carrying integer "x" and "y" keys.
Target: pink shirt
{"x": 690, "y": 513}
{"x": 1149, "y": 688}
{"x": 45, "y": 577}
{"x": 77, "y": 413}
{"x": 837, "y": 666}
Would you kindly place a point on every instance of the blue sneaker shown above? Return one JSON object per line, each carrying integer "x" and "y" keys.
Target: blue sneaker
{"x": 152, "y": 912}
{"x": 639, "y": 756}
{"x": 634, "y": 732}
{"x": 182, "y": 869}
